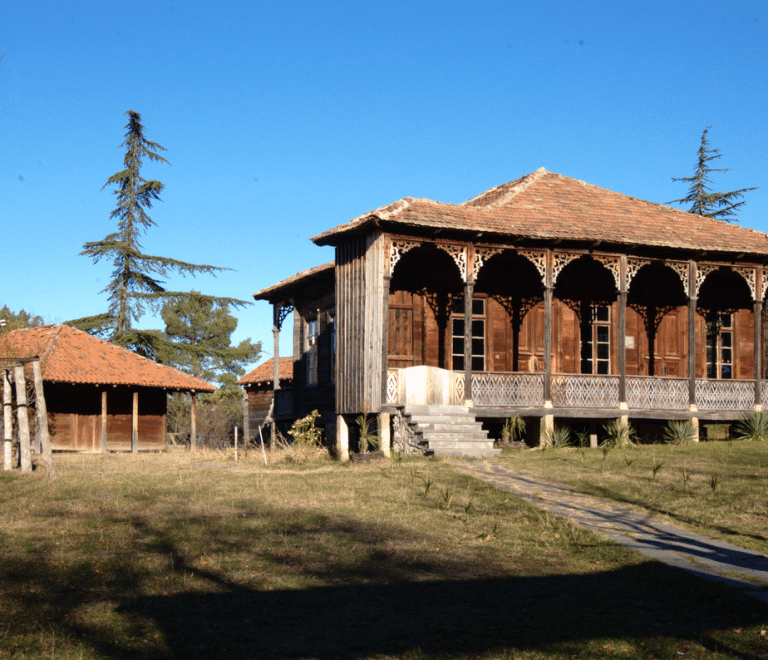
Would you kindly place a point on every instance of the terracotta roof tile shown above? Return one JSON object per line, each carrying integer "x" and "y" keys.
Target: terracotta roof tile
{"x": 265, "y": 371}
{"x": 300, "y": 278}
{"x": 545, "y": 205}
{"x": 72, "y": 356}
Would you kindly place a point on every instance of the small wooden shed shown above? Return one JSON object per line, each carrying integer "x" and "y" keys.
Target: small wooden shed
{"x": 97, "y": 393}
{"x": 260, "y": 390}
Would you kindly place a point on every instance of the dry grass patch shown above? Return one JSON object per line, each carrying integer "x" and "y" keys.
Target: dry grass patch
{"x": 196, "y": 556}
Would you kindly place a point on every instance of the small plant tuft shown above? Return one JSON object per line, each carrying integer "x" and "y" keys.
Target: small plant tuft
{"x": 367, "y": 436}
{"x": 619, "y": 434}
{"x": 513, "y": 429}
{"x": 655, "y": 466}
{"x": 714, "y": 479}
{"x": 556, "y": 438}
{"x": 753, "y": 425}
{"x": 679, "y": 432}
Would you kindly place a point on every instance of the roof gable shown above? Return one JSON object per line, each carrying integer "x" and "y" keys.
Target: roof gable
{"x": 265, "y": 372}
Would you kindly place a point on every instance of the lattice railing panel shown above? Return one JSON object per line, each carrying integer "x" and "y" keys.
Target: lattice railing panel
{"x": 764, "y": 394}
{"x": 393, "y": 386}
{"x": 725, "y": 394}
{"x": 649, "y": 393}
{"x": 507, "y": 389}
{"x": 457, "y": 388}
{"x": 584, "y": 391}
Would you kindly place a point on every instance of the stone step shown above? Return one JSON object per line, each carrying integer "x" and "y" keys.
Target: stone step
{"x": 457, "y": 428}
{"x": 450, "y": 431}
{"x": 460, "y": 444}
{"x": 437, "y": 410}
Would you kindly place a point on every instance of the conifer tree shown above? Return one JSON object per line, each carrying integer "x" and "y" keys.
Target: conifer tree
{"x": 700, "y": 196}
{"x": 136, "y": 278}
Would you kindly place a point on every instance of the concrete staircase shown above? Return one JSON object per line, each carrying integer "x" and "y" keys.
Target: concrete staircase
{"x": 449, "y": 431}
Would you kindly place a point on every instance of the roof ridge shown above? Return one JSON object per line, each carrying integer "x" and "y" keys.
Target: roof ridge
{"x": 523, "y": 183}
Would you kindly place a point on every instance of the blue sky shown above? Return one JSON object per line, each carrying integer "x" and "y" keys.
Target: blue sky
{"x": 283, "y": 119}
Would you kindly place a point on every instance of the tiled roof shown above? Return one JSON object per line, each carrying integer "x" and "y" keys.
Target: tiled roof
{"x": 71, "y": 356}
{"x": 548, "y": 206}
{"x": 264, "y": 372}
{"x": 299, "y": 279}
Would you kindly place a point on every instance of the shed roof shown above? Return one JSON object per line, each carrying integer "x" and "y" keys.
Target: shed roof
{"x": 68, "y": 355}
{"x": 264, "y": 372}
{"x": 546, "y": 205}
{"x": 299, "y": 280}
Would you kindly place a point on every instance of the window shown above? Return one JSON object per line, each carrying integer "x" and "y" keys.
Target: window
{"x": 719, "y": 345}
{"x": 478, "y": 335}
{"x": 596, "y": 340}
{"x": 313, "y": 327}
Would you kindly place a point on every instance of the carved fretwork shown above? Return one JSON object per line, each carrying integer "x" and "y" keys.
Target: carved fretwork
{"x": 633, "y": 267}
{"x": 441, "y": 304}
{"x": 764, "y": 286}
{"x": 397, "y": 250}
{"x": 612, "y": 264}
{"x": 652, "y": 316}
{"x": 517, "y": 308}
{"x": 681, "y": 268}
{"x": 561, "y": 261}
{"x": 750, "y": 275}
{"x": 459, "y": 255}
{"x": 279, "y": 314}
{"x": 538, "y": 259}
{"x": 701, "y": 274}
{"x": 481, "y": 255}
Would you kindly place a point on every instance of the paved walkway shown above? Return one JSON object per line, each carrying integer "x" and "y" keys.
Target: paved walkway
{"x": 700, "y": 555}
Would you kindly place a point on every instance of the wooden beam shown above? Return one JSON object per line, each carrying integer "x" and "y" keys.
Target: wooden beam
{"x": 135, "y": 423}
{"x": 22, "y": 416}
{"x": 7, "y": 421}
{"x": 103, "y": 447}
{"x": 42, "y": 420}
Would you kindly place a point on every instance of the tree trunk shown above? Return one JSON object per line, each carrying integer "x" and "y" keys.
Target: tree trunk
{"x": 7, "y": 421}
{"x": 42, "y": 421}
{"x": 22, "y": 415}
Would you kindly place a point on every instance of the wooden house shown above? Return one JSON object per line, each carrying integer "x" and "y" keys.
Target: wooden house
{"x": 260, "y": 389}
{"x": 98, "y": 394}
{"x": 546, "y": 297}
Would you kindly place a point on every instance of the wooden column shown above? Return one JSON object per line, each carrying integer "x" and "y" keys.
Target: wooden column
{"x": 103, "y": 447}
{"x": 7, "y": 421}
{"x": 342, "y": 438}
{"x": 193, "y": 422}
{"x": 692, "y": 272}
{"x": 385, "y": 438}
{"x": 469, "y": 290}
{"x": 385, "y": 339}
{"x": 548, "y": 291}
{"x": 135, "y": 423}
{"x": 42, "y": 420}
{"x": 276, "y": 323}
{"x": 758, "y": 315}
{"x": 246, "y": 420}
{"x": 623, "y": 334}
{"x": 22, "y": 416}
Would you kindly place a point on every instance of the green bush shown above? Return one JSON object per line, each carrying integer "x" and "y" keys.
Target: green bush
{"x": 752, "y": 426}
{"x": 618, "y": 434}
{"x": 556, "y": 438}
{"x": 304, "y": 432}
{"x": 679, "y": 432}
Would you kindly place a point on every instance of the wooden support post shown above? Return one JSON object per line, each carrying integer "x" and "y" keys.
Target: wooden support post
{"x": 548, "y": 345}
{"x": 276, "y": 323}
{"x": 342, "y": 438}
{"x": 385, "y": 439}
{"x": 246, "y": 421}
{"x": 758, "y": 315}
{"x": 7, "y": 421}
{"x": 469, "y": 290}
{"x": 692, "y": 294}
{"x": 193, "y": 422}
{"x": 593, "y": 439}
{"x": 42, "y": 420}
{"x": 623, "y": 333}
{"x": 135, "y": 424}
{"x": 22, "y": 416}
{"x": 384, "y": 339}
{"x": 103, "y": 447}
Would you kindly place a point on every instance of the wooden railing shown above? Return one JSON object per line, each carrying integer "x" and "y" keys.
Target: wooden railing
{"x": 652, "y": 393}
{"x": 526, "y": 390}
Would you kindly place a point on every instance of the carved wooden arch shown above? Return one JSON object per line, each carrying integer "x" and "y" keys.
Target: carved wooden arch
{"x": 397, "y": 249}
{"x": 459, "y": 255}
{"x": 612, "y": 263}
{"x": 483, "y": 254}
{"x": 748, "y": 274}
{"x": 635, "y": 265}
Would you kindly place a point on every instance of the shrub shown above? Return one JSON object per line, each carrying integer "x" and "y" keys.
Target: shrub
{"x": 752, "y": 426}
{"x": 679, "y": 432}
{"x": 618, "y": 434}
{"x": 367, "y": 435}
{"x": 556, "y": 438}
{"x": 514, "y": 427}
{"x": 304, "y": 432}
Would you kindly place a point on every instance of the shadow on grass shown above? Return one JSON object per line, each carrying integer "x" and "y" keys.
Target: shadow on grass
{"x": 376, "y": 605}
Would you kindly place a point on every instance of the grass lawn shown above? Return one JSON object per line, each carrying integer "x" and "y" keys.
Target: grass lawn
{"x": 194, "y": 556}
{"x": 719, "y": 489}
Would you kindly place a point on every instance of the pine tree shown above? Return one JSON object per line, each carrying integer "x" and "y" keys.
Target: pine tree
{"x": 136, "y": 276}
{"x": 700, "y": 196}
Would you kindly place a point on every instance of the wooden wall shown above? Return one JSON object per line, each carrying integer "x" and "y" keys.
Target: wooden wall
{"x": 74, "y": 417}
{"x": 414, "y": 339}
